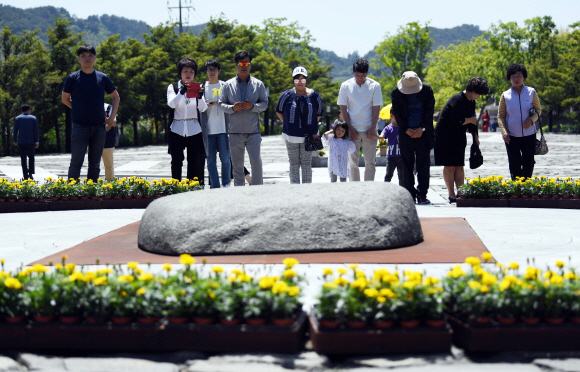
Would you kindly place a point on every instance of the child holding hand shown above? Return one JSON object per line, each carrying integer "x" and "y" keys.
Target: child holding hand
{"x": 394, "y": 159}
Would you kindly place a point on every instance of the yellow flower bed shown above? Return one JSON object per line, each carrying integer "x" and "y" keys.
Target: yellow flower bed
{"x": 493, "y": 187}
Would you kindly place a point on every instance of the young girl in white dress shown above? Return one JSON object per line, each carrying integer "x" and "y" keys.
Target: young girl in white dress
{"x": 340, "y": 146}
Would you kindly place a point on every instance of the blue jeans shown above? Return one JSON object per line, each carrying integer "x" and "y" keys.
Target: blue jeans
{"x": 92, "y": 137}
{"x": 218, "y": 142}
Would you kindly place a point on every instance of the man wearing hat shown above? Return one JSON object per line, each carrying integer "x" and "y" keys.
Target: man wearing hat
{"x": 413, "y": 106}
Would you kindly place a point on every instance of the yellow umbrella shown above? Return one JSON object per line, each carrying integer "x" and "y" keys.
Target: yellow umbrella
{"x": 385, "y": 113}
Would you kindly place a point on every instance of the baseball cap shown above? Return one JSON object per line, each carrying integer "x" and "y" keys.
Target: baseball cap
{"x": 299, "y": 71}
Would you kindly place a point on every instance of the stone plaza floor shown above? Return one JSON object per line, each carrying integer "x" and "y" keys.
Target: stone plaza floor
{"x": 510, "y": 234}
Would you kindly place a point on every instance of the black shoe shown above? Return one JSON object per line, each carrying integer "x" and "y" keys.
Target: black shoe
{"x": 452, "y": 200}
{"x": 423, "y": 201}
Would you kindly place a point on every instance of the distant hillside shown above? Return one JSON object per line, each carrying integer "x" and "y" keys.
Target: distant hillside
{"x": 441, "y": 36}
{"x": 98, "y": 28}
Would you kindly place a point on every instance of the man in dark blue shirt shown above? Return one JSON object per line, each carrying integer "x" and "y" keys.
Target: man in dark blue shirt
{"x": 27, "y": 138}
{"x": 84, "y": 92}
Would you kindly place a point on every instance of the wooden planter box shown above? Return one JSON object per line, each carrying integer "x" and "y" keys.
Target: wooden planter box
{"x": 482, "y": 203}
{"x": 379, "y": 341}
{"x": 563, "y": 203}
{"x": 496, "y": 338}
{"x": 71, "y": 205}
{"x": 158, "y": 337}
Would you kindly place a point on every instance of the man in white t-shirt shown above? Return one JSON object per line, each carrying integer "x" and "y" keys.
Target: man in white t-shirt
{"x": 360, "y": 100}
{"x": 216, "y": 123}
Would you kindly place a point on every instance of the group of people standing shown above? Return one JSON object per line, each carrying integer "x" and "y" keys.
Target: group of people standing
{"x": 223, "y": 117}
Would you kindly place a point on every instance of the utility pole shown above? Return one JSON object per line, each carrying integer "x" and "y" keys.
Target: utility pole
{"x": 180, "y": 7}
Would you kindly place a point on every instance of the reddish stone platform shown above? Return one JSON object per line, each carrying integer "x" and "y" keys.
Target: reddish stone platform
{"x": 446, "y": 240}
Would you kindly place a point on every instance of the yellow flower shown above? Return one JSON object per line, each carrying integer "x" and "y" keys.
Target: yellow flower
{"x": 236, "y": 272}
{"x": 326, "y": 271}
{"x": 571, "y": 276}
{"x": 147, "y": 277}
{"x": 386, "y": 292}
{"x": 341, "y": 271}
{"x": 474, "y": 284}
{"x": 126, "y": 278}
{"x": 514, "y": 265}
{"x": 330, "y": 285}
{"x": 293, "y": 291}
{"x": 39, "y": 268}
{"x": 141, "y": 291}
{"x": 217, "y": 269}
{"x": 505, "y": 284}
{"x": 280, "y": 288}
{"x": 556, "y": 279}
{"x": 560, "y": 264}
{"x": 167, "y": 267}
{"x": 473, "y": 261}
{"x": 186, "y": 259}
{"x": 3, "y": 261}
{"x": 101, "y": 280}
{"x": 77, "y": 275}
{"x": 486, "y": 256}
{"x": 123, "y": 293}
{"x": 289, "y": 273}
{"x": 371, "y": 292}
{"x": 341, "y": 281}
{"x": 531, "y": 273}
{"x": 353, "y": 266}
{"x": 484, "y": 289}
{"x": 290, "y": 262}
{"x": 410, "y": 284}
{"x": 13, "y": 283}
{"x": 488, "y": 279}
{"x": 381, "y": 299}
{"x": 133, "y": 265}
{"x": 360, "y": 283}
{"x": 430, "y": 281}
{"x": 456, "y": 272}
{"x": 266, "y": 282}
{"x": 359, "y": 273}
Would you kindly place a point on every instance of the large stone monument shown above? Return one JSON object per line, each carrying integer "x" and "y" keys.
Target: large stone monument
{"x": 282, "y": 218}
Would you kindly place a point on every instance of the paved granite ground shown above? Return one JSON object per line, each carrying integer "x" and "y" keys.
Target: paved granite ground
{"x": 509, "y": 234}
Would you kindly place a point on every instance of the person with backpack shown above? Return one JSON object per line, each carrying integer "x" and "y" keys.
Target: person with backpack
{"x": 185, "y": 129}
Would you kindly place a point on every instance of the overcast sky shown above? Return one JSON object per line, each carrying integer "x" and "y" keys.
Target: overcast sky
{"x": 337, "y": 25}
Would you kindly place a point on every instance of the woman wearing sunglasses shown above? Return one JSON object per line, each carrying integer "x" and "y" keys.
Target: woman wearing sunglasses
{"x": 299, "y": 108}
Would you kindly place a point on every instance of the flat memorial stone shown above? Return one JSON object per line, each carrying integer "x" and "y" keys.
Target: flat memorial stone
{"x": 282, "y": 218}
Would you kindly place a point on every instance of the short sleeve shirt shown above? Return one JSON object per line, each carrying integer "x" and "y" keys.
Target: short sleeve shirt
{"x": 392, "y": 136}
{"x": 359, "y": 100}
{"x": 88, "y": 96}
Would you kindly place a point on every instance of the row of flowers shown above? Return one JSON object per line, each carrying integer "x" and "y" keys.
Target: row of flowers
{"x": 86, "y": 188}
{"x": 350, "y": 296}
{"x": 494, "y": 187}
{"x": 123, "y": 294}
{"x": 507, "y": 294}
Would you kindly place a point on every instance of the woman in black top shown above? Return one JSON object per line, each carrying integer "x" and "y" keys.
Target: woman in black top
{"x": 457, "y": 117}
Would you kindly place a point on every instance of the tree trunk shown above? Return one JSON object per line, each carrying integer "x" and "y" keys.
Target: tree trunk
{"x": 57, "y": 135}
{"x": 267, "y": 121}
{"x": 67, "y": 130}
{"x": 135, "y": 132}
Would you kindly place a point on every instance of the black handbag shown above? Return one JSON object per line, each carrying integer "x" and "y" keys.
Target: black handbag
{"x": 312, "y": 142}
{"x": 541, "y": 145}
{"x": 475, "y": 157}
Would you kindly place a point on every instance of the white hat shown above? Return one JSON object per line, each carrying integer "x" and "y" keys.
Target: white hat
{"x": 299, "y": 71}
{"x": 410, "y": 83}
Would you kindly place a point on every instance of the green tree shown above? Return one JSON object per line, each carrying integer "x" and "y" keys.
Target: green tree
{"x": 62, "y": 45}
{"x": 405, "y": 51}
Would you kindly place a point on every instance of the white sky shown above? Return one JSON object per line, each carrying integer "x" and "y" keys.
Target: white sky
{"x": 338, "y": 25}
